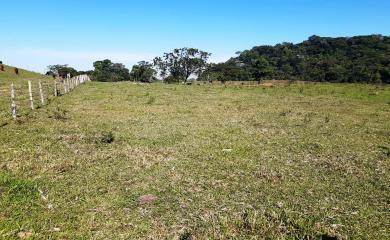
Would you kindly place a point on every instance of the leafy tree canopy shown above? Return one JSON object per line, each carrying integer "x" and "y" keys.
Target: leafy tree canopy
{"x": 61, "y": 70}
{"x": 354, "y": 59}
{"x": 107, "y": 71}
{"x": 143, "y": 72}
{"x": 181, "y": 63}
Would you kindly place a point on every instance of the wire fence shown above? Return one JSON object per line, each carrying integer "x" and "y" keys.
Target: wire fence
{"x": 20, "y": 99}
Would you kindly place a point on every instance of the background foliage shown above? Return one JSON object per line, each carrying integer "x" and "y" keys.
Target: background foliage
{"x": 356, "y": 59}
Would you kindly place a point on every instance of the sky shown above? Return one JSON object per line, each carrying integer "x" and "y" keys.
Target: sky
{"x": 35, "y": 34}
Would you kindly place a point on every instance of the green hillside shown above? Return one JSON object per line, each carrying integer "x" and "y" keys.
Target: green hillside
{"x": 20, "y": 81}
{"x": 363, "y": 59}
{"x": 8, "y": 75}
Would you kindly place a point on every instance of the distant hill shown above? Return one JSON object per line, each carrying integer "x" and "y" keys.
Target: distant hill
{"x": 343, "y": 59}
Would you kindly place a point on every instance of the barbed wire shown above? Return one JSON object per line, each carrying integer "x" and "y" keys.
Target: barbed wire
{"x": 19, "y": 99}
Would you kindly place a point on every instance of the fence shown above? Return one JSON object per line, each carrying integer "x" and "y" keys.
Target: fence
{"x": 20, "y": 99}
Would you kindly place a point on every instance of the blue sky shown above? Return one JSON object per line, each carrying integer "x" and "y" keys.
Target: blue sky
{"x": 37, "y": 33}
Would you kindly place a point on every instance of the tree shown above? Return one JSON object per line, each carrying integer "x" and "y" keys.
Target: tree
{"x": 180, "y": 64}
{"x": 61, "y": 70}
{"x": 107, "y": 71}
{"x": 261, "y": 68}
{"x": 143, "y": 72}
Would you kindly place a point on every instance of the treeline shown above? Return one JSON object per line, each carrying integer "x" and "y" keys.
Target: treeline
{"x": 176, "y": 66}
{"x": 62, "y": 71}
{"x": 363, "y": 59}
{"x": 356, "y": 59}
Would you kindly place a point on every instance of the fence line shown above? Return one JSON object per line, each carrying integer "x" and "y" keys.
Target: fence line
{"x": 36, "y": 94}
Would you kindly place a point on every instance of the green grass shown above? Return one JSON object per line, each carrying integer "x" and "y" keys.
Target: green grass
{"x": 8, "y": 75}
{"x": 282, "y": 162}
{"x": 20, "y": 82}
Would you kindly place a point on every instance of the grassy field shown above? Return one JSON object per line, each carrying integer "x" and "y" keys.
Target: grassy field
{"x": 284, "y": 162}
{"x": 8, "y": 75}
{"x": 20, "y": 82}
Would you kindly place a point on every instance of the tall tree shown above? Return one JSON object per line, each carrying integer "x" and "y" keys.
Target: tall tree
{"x": 261, "y": 68}
{"x": 61, "y": 70}
{"x": 182, "y": 63}
{"x": 143, "y": 72}
{"x": 107, "y": 71}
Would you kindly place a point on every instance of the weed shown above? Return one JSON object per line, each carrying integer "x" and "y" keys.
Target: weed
{"x": 185, "y": 235}
{"x": 386, "y": 150}
{"x": 107, "y": 137}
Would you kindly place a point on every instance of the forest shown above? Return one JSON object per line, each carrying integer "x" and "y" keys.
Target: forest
{"x": 364, "y": 59}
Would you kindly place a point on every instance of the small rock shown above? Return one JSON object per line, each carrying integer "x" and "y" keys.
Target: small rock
{"x": 55, "y": 229}
{"x": 145, "y": 199}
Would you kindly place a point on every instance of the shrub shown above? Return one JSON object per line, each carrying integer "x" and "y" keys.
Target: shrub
{"x": 107, "y": 137}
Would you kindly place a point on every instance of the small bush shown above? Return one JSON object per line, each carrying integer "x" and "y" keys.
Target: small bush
{"x": 107, "y": 137}
{"x": 185, "y": 236}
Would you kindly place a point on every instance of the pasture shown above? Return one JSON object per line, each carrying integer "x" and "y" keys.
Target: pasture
{"x": 131, "y": 161}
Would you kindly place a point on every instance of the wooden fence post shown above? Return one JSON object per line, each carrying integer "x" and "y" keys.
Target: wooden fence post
{"x": 13, "y": 101}
{"x": 30, "y": 95}
{"x": 41, "y": 93}
{"x": 64, "y": 82}
{"x": 55, "y": 88}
